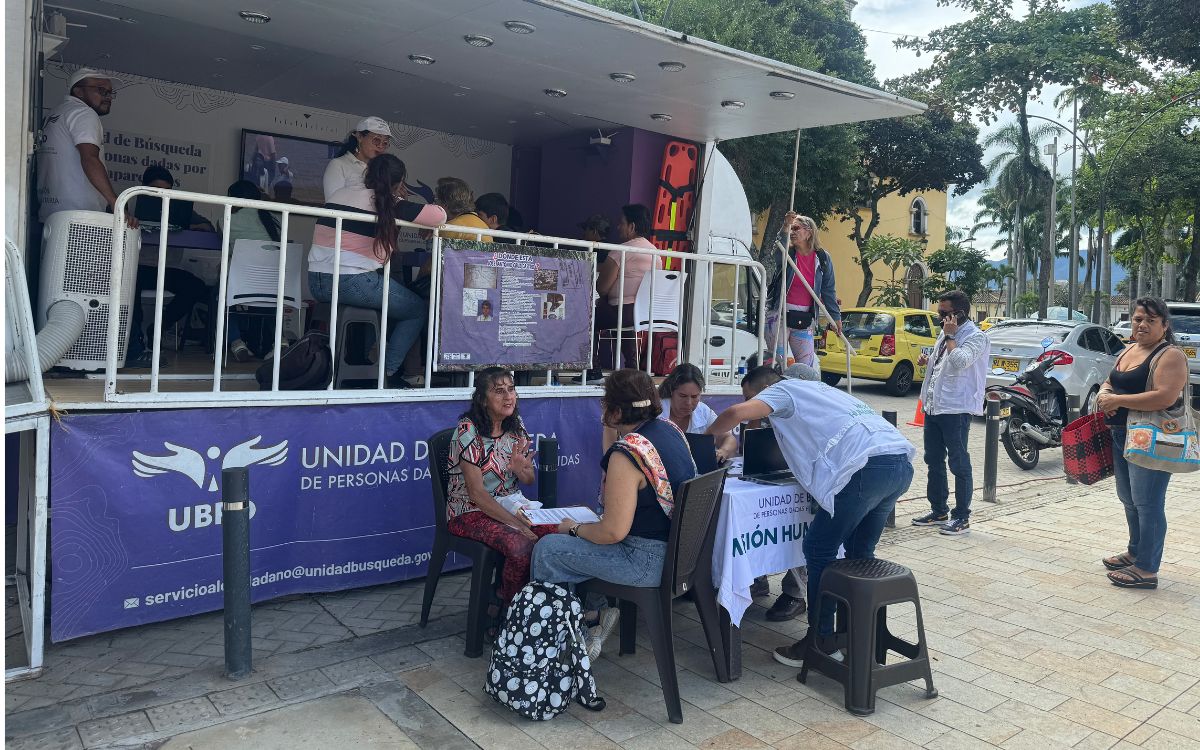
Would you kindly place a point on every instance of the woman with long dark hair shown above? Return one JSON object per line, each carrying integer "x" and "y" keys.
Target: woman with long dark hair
{"x": 642, "y": 473}
{"x": 370, "y": 138}
{"x": 490, "y": 459}
{"x": 366, "y": 249}
{"x": 1151, "y": 375}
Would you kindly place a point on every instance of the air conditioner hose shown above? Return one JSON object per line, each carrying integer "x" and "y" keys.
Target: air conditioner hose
{"x": 64, "y": 324}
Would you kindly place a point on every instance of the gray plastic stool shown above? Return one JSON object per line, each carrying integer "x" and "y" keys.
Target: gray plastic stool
{"x": 866, "y": 588}
{"x": 358, "y": 331}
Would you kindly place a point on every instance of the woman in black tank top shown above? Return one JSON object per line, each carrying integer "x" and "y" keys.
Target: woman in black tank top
{"x": 1142, "y": 491}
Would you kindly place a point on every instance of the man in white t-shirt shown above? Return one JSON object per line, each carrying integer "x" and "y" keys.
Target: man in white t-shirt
{"x": 71, "y": 171}
{"x": 847, "y": 457}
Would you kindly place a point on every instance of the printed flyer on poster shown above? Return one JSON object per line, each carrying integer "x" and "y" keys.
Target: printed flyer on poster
{"x": 522, "y": 307}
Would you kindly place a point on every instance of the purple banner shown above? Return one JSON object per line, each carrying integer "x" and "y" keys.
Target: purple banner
{"x": 522, "y": 307}
{"x": 341, "y": 498}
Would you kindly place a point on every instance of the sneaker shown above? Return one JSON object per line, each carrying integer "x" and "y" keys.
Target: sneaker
{"x": 396, "y": 380}
{"x": 793, "y": 655}
{"x": 239, "y": 352}
{"x": 956, "y": 527}
{"x": 609, "y": 617}
{"x": 760, "y": 587}
{"x": 786, "y": 607}
{"x": 931, "y": 519}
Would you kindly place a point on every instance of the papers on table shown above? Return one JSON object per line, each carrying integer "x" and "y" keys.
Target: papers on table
{"x": 555, "y": 516}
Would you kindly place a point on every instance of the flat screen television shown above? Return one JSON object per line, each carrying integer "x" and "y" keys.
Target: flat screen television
{"x": 276, "y": 162}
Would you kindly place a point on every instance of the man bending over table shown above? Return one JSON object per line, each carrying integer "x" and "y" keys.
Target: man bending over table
{"x": 847, "y": 457}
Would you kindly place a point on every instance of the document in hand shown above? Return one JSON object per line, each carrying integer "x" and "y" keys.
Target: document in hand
{"x": 555, "y": 516}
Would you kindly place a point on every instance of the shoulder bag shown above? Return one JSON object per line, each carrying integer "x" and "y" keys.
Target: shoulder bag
{"x": 1164, "y": 440}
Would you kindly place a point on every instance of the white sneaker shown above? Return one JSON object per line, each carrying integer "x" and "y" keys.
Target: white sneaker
{"x": 609, "y": 617}
{"x": 239, "y": 352}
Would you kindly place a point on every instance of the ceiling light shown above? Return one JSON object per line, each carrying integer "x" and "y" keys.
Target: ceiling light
{"x": 512, "y": 122}
{"x": 128, "y": 20}
{"x": 219, "y": 59}
{"x": 782, "y": 95}
{"x": 218, "y": 75}
{"x": 520, "y": 27}
{"x": 253, "y": 16}
{"x": 422, "y": 59}
{"x": 554, "y": 93}
{"x": 660, "y": 118}
{"x": 671, "y": 67}
{"x": 479, "y": 40}
{"x": 623, "y": 77}
{"x": 257, "y": 47}
{"x": 540, "y": 114}
{"x": 460, "y": 93}
{"x": 366, "y": 71}
{"x": 732, "y": 104}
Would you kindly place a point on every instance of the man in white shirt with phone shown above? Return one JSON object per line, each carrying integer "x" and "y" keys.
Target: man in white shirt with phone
{"x": 955, "y": 376}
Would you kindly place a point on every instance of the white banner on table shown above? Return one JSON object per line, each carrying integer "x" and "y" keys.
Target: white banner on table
{"x": 761, "y": 531}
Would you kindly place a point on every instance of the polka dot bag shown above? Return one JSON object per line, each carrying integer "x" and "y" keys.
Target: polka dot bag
{"x": 539, "y": 662}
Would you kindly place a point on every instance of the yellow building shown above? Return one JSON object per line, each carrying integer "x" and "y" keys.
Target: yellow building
{"x": 919, "y": 216}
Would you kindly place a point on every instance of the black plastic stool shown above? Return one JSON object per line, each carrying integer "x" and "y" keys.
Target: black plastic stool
{"x": 866, "y": 588}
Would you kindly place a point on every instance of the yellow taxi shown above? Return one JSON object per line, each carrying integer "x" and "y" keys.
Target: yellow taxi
{"x": 887, "y": 343}
{"x": 987, "y": 323}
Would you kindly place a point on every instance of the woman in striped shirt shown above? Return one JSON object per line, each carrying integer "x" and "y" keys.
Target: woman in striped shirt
{"x": 365, "y": 250}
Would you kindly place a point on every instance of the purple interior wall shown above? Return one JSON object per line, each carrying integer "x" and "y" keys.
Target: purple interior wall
{"x": 647, "y": 164}
{"x": 576, "y": 182}
{"x": 524, "y": 189}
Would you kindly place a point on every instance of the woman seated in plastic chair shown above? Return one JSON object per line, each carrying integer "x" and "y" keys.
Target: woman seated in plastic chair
{"x": 489, "y": 458}
{"x": 366, "y": 249}
{"x": 642, "y": 472}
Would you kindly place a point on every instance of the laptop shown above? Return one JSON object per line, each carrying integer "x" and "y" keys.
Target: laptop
{"x": 763, "y": 460}
{"x": 704, "y": 452}
{"x": 148, "y": 210}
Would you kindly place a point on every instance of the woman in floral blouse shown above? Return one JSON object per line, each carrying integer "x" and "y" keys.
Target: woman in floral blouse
{"x": 489, "y": 455}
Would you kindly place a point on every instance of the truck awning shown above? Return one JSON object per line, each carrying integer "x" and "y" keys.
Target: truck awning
{"x": 367, "y": 58}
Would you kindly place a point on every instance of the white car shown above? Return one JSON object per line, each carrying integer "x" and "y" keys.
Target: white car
{"x": 1185, "y": 322}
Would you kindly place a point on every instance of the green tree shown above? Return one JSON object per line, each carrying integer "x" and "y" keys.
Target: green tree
{"x": 1026, "y": 304}
{"x": 957, "y": 266}
{"x": 930, "y": 151}
{"x": 1003, "y": 58}
{"x": 898, "y": 254}
{"x": 813, "y": 34}
{"x": 1164, "y": 30}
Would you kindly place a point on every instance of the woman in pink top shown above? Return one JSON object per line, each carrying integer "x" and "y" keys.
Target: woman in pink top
{"x": 632, "y": 228}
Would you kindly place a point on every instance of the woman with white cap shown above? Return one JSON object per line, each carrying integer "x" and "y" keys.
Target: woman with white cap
{"x": 370, "y": 138}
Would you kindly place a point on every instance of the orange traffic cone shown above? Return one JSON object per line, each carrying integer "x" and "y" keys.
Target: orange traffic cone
{"x": 918, "y": 419}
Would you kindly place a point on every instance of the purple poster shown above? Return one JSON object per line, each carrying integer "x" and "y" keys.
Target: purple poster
{"x": 341, "y": 498}
{"x": 522, "y": 307}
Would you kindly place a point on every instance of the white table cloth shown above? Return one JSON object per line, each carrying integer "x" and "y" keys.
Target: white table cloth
{"x": 760, "y": 531}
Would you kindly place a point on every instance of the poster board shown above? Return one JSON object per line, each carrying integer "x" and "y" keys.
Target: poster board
{"x": 526, "y": 308}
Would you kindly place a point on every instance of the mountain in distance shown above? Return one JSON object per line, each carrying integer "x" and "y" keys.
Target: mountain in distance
{"x": 1061, "y": 265}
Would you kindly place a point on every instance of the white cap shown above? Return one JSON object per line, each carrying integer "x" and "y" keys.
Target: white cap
{"x": 282, "y": 160}
{"x": 83, "y": 73}
{"x": 373, "y": 125}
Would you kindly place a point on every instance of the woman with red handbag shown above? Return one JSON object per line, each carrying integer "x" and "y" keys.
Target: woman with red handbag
{"x": 1149, "y": 376}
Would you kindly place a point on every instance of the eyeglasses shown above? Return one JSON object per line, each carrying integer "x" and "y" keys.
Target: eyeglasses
{"x": 380, "y": 140}
{"x": 103, "y": 92}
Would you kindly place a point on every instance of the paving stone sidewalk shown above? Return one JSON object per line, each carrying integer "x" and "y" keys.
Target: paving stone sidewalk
{"x": 1032, "y": 647}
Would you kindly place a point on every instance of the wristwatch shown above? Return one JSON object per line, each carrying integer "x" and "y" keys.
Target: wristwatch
{"x": 574, "y": 531}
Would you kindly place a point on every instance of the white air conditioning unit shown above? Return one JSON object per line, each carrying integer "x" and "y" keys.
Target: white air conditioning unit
{"x": 77, "y": 249}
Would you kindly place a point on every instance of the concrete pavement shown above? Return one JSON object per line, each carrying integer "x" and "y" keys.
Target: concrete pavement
{"x": 1032, "y": 647}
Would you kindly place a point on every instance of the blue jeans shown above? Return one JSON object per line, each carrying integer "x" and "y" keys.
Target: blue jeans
{"x": 946, "y": 435}
{"x": 406, "y": 310}
{"x": 633, "y": 561}
{"x": 861, "y": 511}
{"x": 1143, "y": 492}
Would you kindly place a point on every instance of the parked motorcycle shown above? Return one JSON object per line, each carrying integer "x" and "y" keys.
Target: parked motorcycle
{"x": 1033, "y": 410}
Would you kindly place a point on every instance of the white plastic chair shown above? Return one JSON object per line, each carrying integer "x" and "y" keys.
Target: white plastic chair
{"x": 658, "y": 314}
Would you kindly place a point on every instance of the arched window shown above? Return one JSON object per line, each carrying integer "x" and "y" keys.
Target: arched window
{"x": 918, "y": 217}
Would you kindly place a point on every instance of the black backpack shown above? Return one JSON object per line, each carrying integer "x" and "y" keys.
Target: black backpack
{"x": 306, "y": 365}
{"x": 539, "y": 662}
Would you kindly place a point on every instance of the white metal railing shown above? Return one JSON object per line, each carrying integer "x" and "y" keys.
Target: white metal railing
{"x": 699, "y": 290}
{"x": 19, "y": 316}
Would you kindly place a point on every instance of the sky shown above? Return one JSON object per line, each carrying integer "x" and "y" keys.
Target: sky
{"x": 882, "y": 22}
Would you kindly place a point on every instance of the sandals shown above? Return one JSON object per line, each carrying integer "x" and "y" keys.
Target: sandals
{"x": 1117, "y": 562}
{"x": 1127, "y": 579}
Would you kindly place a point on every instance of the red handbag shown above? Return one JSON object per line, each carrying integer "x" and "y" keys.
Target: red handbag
{"x": 1087, "y": 449}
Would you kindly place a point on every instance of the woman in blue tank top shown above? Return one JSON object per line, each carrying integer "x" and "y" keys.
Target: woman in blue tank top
{"x": 642, "y": 473}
